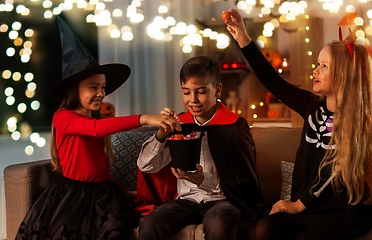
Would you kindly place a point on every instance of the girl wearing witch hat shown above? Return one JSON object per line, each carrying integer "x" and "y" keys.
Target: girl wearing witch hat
{"x": 86, "y": 203}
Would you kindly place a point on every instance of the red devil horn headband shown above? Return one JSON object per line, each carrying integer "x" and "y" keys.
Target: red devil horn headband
{"x": 349, "y": 44}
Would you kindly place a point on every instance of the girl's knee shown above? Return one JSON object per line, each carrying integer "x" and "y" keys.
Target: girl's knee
{"x": 263, "y": 229}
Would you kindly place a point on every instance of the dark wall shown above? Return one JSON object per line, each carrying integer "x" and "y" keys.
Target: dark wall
{"x": 45, "y": 62}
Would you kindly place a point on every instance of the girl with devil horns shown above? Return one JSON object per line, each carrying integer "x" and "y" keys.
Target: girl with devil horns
{"x": 86, "y": 203}
{"x": 332, "y": 178}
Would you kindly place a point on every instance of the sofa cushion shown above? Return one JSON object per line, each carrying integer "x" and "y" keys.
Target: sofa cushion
{"x": 273, "y": 145}
{"x": 126, "y": 147}
{"x": 287, "y": 170}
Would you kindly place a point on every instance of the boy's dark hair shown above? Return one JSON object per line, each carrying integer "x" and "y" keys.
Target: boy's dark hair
{"x": 202, "y": 68}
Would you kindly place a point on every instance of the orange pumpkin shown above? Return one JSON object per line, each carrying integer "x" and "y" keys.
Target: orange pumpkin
{"x": 272, "y": 56}
{"x": 273, "y": 113}
{"x": 107, "y": 110}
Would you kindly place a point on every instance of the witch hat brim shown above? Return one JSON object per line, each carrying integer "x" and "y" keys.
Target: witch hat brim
{"x": 77, "y": 65}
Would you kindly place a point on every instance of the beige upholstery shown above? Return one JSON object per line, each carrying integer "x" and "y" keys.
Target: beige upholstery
{"x": 274, "y": 145}
{"x": 23, "y": 185}
{"x": 25, "y": 182}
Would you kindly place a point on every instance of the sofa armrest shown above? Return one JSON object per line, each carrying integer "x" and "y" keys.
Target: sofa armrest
{"x": 24, "y": 183}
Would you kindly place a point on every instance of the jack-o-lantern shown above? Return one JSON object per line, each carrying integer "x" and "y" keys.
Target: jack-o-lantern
{"x": 272, "y": 56}
{"x": 273, "y": 113}
{"x": 107, "y": 110}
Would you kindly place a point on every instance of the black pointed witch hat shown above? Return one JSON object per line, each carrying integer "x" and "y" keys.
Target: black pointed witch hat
{"x": 77, "y": 65}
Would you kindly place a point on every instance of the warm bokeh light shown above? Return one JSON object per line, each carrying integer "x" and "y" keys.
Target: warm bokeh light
{"x": 22, "y": 107}
{"x": 16, "y": 135}
{"x": 12, "y": 121}
{"x": 25, "y": 58}
{"x": 117, "y": 13}
{"x": 16, "y": 26}
{"x": 48, "y": 14}
{"x": 16, "y": 76}
{"x": 29, "y": 150}
{"x": 127, "y": 36}
{"x": 13, "y": 34}
{"x": 8, "y": 91}
{"x": 10, "y": 52}
{"x": 29, "y": 32}
{"x": 35, "y": 105}
{"x": 115, "y": 33}
{"x": 28, "y": 77}
{"x": 162, "y": 9}
{"x": 10, "y": 100}
{"x": 29, "y": 93}
{"x": 187, "y": 49}
{"x": 34, "y": 137}
{"x": 47, "y": 4}
{"x": 3, "y": 28}
{"x": 18, "y": 42}
{"x": 82, "y": 4}
{"x": 7, "y": 74}
{"x": 359, "y": 21}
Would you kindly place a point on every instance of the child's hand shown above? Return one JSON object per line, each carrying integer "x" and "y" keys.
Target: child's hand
{"x": 169, "y": 112}
{"x": 168, "y": 123}
{"x": 196, "y": 177}
{"x": 163, "y": 133}
{"x": 235, "y": 25}
{"x": 288, "y": 207}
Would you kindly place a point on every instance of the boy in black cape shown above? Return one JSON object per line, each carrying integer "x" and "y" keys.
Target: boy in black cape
{"x": 224, "y": 189}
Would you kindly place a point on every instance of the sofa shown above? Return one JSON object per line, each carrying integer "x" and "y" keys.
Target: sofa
{"x": 276, "y": 149}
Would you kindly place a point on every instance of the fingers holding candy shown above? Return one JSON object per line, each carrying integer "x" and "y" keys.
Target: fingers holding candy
{"x": 169, "y": 112}
{"x": 235, "y": 25}
{"x": 225, "y": 15}
{"x": 169, "y": 125}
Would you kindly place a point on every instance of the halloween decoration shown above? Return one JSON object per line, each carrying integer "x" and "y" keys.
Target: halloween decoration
{"x": 107, "y": 110}
{"x": 272, "y": 56}
{"x": 273, "y": 113}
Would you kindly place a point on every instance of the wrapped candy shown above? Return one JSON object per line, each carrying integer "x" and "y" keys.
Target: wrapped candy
{"x": 192, "y": 135}
{"x": 185, "y": 149}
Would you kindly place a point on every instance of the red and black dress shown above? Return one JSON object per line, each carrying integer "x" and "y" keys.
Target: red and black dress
{"x": 86, "y": 203}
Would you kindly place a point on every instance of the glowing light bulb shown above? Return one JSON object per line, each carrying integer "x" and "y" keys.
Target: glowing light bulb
{"x": 29, "y": 150}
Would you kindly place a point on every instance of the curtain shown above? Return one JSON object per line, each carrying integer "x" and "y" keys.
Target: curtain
{"x": 154, "y": 81}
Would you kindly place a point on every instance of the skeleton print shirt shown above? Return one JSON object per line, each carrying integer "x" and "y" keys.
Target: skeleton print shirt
{"x": 317, "y": 128}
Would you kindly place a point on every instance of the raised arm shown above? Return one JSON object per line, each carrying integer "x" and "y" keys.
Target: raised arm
{"x": 290, "y": 95}
{"x": 235, "y": 26}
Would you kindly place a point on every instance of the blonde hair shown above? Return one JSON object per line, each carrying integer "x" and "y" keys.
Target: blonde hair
{"x": 351, "y": 160}
{"x": 71, "y": 101}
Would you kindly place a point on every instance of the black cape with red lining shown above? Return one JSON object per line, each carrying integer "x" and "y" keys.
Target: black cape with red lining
{"x": 234, "y": 154}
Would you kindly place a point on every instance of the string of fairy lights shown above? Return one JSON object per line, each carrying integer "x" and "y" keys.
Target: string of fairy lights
{"x": 289, "y": 11}
{"x": 163, "y": 28}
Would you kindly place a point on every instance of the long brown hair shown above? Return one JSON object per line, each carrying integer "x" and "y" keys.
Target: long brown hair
{"x": 351, "y": 160}
{"x": 71, "y": 101}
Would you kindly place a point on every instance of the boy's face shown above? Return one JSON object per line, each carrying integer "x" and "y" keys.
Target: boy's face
{"x": 200, "y": 98}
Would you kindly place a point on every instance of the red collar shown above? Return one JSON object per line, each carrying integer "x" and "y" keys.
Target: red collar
{"x": 223, "y": 116}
